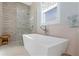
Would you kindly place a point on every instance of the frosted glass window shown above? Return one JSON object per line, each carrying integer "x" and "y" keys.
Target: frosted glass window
{"x": 49, "y": 13}
{"x": 50, "y": 16}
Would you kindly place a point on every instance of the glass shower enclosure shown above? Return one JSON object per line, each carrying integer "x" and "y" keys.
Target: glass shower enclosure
{"x": 22, "y": 21}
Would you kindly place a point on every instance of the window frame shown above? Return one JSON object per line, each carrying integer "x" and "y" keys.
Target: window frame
{"x": 43, "y": 21}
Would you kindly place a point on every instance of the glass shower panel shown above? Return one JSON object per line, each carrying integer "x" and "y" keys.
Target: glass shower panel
{"x": 22, "y": 22}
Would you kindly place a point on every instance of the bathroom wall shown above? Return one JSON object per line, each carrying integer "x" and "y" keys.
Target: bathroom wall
{"x": 33, "y": 17}
{"x": 1, "y": 18}
{"x": 9, "y": 19}
{"x": 63, "y": 29}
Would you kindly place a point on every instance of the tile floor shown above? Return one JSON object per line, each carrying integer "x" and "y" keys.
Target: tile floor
{"x": 13, "y": 50}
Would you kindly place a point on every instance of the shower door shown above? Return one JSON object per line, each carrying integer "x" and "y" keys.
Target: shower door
{"x": 22, "y": 22}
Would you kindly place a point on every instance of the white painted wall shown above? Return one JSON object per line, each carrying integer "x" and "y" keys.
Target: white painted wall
{"x": 68, "y": 9}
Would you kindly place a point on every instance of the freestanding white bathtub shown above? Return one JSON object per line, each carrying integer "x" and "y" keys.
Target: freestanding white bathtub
{"x": 41, "y": 45}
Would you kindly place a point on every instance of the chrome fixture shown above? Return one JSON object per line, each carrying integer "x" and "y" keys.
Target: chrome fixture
{"x": 44, "y": 28}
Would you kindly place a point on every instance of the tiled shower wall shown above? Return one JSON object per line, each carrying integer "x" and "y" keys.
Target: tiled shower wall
{"x": 0, "y": 18}
{"x": 23, "y": 21}
{"x": 15, "y": 20}
{"x": 9, "y": 18}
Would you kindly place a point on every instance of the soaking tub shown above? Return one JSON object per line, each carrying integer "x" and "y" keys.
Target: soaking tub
{"x": 42, "y": 45}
